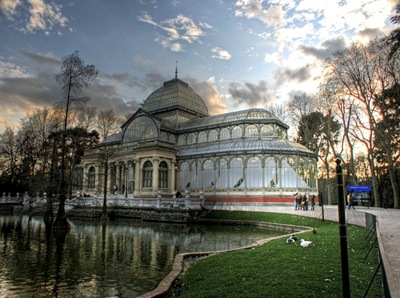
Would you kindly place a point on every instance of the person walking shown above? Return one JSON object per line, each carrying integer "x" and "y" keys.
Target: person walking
{"x": 350, "y": 200}
{"x": 313, "y": 202}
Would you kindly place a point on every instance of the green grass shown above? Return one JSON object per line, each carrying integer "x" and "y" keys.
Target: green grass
{"x": 277, "y": 269}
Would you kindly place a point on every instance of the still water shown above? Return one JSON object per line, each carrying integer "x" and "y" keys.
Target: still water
{"x": 96, "y": 259}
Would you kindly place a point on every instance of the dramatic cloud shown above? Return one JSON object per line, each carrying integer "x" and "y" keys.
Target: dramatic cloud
{"x": 290, "y": 76}
{"x": 22, "y": 90}
{"x": 253, "y": 95}
{"x": 209, "y": 93}
{"x": 326, "y": 49}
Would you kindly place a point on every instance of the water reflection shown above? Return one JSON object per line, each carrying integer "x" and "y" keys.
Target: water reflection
{"x": 97, "y": 259}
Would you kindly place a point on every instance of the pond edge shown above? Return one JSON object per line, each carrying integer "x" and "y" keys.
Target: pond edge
{"x": 164, "y": 287}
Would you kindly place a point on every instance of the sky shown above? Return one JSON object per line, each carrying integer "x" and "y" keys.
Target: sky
{"x": 235, "y": 54}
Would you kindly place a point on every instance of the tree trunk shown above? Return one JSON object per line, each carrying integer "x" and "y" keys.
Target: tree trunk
{"x": 395, "y": 187}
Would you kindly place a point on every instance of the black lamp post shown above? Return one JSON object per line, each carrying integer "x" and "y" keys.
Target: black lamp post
{"x": 343, "y": 231}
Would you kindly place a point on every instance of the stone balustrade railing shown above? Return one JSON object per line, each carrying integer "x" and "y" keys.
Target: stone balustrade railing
{"x": 118, "y": 200}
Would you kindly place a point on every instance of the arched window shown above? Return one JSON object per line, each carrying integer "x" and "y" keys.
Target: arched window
{"x": 271, "y": 173}
{"x": 222, "y": 174}
{"x": 164, "y": 136}
{"x": 202, "y": 138}
{"x": 224, "y": 134}
{"x": 251, "y": 131}
{"x": 236, "y": 178}
{"x": 191, "y": 139}
{"x": 91, "y": 177}
{"x": 254, "y": 172}
{"x": 236, "y": 132}
{"x": 142, "y": 128}
{"x": 208, "y": 175}
{"x": 212, "y": 136}
{"x": 163, "y": 175}
{"x": 267, "y": 130}
{"x": 184, "y": 176}
{"x": 148, "y": 174}
{"x": 182, "y": 140}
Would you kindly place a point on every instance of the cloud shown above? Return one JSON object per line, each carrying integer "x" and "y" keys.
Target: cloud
{"x": 368, "y": 34}
{"x": 221, "y": 54}
{"x": 273, "y": 16}
{"x": 301, "y": 74}
{"x": 44, "y": 16}
{"x": 35, "y": 15}
{"x": 251, "y": 94}
{"x": 180, "y": 28}
{"x": 24, "y": 89}
{"x": 209, "y": 93}
{"x": 42, "y": 59}
{"x": 326, "y": 49}
{"x": 107, "y": 96}
{"x": 11, "y": 70}
{"x": 9, "y": 8}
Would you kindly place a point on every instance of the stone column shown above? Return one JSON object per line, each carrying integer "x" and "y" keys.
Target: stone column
{"x": 109, "y": 177}
{"x": 118, "y": 176}
{"x": 156, "y": 162}
{"x": 136, "y": 184}
{"x": 172, "y": 185}
{"x": 98, "y": 184}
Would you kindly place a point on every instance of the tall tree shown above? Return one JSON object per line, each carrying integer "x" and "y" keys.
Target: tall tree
{"x": 74, "y": 76}
{"x": 8, "y": 158}
{"x": 361, "y": 74}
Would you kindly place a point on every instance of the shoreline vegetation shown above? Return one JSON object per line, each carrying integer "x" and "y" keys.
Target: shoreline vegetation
{"x": 278, "y": 269}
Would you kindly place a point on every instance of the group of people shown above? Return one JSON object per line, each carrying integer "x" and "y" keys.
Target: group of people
{"x": 301, "y": 202}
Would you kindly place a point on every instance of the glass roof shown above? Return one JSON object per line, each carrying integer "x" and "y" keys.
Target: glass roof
{"x": 172, "y": 95}
{"x": 112, "y": 139}
{"x": 234, "y": 117}
{"x": 248, "y": 145}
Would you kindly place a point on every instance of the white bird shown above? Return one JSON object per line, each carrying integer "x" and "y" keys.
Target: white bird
{"x": 304, "y": 243}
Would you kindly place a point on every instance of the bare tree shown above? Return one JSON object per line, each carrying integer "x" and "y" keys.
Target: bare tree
{"x": 74, "y": 76}
{"x": 361, "y": 74}
{"x": 299, "y": 106}
{"x": 108, "y": 123}
{"x": 8, "y": 155}
{"x": 86, "y": 117}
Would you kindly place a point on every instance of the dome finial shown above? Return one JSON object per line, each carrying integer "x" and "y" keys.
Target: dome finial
{"x": 176, "y": 69}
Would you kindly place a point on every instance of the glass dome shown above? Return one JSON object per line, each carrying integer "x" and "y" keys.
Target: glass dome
{"x": 175, "y": 94}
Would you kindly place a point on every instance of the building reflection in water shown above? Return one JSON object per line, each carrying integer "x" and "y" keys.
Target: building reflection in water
{"x": 98, "y": 259}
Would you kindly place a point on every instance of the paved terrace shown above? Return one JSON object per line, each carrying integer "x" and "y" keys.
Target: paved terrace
{"x": 387, "y": 227}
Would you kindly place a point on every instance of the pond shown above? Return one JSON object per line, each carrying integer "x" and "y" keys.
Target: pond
{"x": 122, "y": 258}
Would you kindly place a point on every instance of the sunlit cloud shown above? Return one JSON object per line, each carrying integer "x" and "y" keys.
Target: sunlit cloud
{"x": 9, "y": 7}
{"x": 209, "y": 93}
{"x": 273, "y": 15}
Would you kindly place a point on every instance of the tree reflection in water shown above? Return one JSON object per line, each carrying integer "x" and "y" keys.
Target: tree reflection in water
{"x": 97, "y": 259}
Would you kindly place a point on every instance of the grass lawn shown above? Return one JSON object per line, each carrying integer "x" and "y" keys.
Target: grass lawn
{"x": 278, "y": 269}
